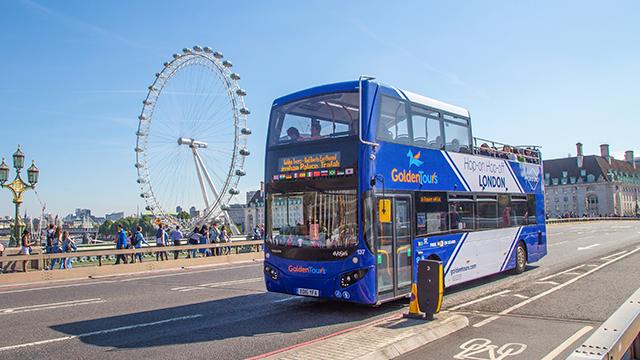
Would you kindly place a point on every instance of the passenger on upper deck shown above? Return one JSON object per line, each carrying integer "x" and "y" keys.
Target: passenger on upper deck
{"x": 315, "y": 130}
{"x": 294, "y": 134}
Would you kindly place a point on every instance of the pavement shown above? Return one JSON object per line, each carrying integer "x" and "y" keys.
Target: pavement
{"x": 223, "y": 312}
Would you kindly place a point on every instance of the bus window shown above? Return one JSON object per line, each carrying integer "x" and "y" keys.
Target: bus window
{"x": 457, "y": 137}
{"x": 519, "y": 209}
{"x": 393, "y": 123}
{"x": 505, "y": 211}
{"x": 431, "y": 213}
{"x": 531, "y": 209}
{"x": 461, "y": 212}
{"x": 314, "y": 118}
{"x": 487, "y": 212}
{"x": 426, "y": 128}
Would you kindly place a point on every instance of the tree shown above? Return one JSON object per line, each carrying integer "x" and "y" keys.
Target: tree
{"x": 183, "y": 215}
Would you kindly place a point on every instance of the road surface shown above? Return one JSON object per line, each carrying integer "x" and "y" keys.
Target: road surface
{"x": 224, "y": 312}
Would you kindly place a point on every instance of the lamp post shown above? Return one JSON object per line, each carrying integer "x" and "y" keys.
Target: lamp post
{"x": 18, "y": 187}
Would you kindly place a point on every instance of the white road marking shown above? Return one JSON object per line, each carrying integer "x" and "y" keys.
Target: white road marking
{"x": 588, "y": 247}
{"x": 216, "y": 285}
{"x": 555, "y": 288}
{"x": 50, "y": 306}
{"x": 558, "y": 243}
{"x": 100, "y": 332}
{"x": 140, "y": 277}
{"x": 613, "y": 255}
{"x": 520, "y": 296}
{"x": 186, "y": 273}
{"x": 560, "y": 273}
{"x": 286, "y": 299}
{"x": 55, "y": 287}
{"x": 482, "y": 349}
{"x": 565, "y": 344}
{"x": 547, "y": 282}
{"x": 486, "y": 321}
{"x": 479, "y": 300}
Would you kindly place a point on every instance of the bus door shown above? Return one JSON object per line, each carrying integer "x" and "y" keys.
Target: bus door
{"x": 393, "y": 245}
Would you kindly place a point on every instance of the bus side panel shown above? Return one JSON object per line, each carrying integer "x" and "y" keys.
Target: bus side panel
{"x": 472, "y": 255}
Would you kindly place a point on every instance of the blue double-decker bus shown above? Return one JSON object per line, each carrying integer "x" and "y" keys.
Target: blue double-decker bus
{"x": 358, "y": 172}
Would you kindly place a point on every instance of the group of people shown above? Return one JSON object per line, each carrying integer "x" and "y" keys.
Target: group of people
{"x": 166, "y": 237}
{"x": 129, "y": 240}
{"x": 511, "y": 153}
{"x": 58, "y": 241}
{"x": 258, "y": 232}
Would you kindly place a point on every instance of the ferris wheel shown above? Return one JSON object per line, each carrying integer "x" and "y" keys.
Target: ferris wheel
{"x": 191, "y": 139}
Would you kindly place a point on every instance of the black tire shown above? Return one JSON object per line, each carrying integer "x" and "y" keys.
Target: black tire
{"x": 521, "y": 259}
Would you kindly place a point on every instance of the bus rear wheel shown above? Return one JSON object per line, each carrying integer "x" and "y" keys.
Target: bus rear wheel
{"x": 521, "y": 258}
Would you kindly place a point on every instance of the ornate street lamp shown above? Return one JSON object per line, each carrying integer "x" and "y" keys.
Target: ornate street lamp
{"x": 18, "y": 187}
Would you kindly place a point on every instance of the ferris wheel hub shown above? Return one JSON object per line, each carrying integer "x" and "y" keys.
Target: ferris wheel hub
{"x": 192, "y": 143}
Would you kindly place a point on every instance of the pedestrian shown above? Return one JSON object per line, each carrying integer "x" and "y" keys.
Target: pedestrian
{"x": 194, "y": 239}
{"x": 224, "y": 238}
{"x": 121, "y": 244}
{"x": 256, "y": 233}
{"x": 50, "y": 232}
{"x": 56, "y": 246}
{"x": 25, "y": 249}
{"x": 130, "y": 244}
{"x": 160, "y": 242}
{"x": 176, "y": 236}
{"x": 68, "y": 246}
{"x": 137, "y": 241}
{"x": 204, "y": 239}
{"x": 1, "y": 254}
{"x": 214, "y": 238}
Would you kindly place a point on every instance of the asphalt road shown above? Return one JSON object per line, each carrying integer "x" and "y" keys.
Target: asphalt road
{"x": 224, "y": 312}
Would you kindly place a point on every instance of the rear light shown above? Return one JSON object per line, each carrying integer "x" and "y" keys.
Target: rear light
{"x": 271, "y": 272}
{"x": 352, "y": 277}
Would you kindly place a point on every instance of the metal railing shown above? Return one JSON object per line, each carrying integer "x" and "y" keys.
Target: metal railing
{"x": 584, "y": 219}
{"x": 39, "y": 259}
{"x": 527, "y": 153}
{"x": 618, "y": 338}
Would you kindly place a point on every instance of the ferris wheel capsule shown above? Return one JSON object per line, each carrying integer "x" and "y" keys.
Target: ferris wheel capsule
{"x": 197, "y": 48}
{"x": 218, "y": 55}
{"x": 234, "y": 76}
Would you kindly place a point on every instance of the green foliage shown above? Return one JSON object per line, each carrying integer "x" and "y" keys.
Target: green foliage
{"x": 128, "y": 223}
{"x": 183, "y": 215}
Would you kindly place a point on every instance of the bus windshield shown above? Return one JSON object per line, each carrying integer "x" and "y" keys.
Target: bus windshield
{"x": 314, "y": 219}
{"x": 315, "y": 118}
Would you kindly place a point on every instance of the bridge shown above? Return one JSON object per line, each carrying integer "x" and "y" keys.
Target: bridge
{"x": 221, "y": 310}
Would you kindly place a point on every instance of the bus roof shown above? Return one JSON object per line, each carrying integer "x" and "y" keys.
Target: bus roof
{"x": 353, "y": 86}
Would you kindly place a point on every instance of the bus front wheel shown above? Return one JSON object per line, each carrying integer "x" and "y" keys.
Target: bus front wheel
{"x": 521, "y": 258}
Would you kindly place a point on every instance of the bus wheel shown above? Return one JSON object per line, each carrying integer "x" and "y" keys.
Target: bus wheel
{"x": 521, "y": 258}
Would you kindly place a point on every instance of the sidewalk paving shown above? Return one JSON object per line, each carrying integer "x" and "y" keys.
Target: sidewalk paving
{"x": 382, "y": 339}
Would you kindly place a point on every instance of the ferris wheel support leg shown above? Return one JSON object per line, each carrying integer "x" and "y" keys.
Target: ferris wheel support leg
{"x": 198, "y": 168}
{"x": 225, "y": 214}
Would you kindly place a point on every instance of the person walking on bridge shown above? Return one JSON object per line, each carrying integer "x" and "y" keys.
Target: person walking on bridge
{"x": 176, "y": 236}
{"x": 56, "y": 246}
{"x": 68, "y": 245}
{"x": 26, "y": 247}
{"x": 121, "y": 244}
{"x": 161, "y": 235}
{"x": 214, "y": 238}
{"x": 137, "y": 241}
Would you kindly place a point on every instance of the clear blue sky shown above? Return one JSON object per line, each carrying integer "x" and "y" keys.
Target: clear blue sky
{"x": 531, "y": 72}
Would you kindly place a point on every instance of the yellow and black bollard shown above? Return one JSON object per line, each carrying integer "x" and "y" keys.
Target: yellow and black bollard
{"x": 426, "y": 294}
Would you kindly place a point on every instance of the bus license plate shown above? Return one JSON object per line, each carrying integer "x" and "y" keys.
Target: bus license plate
{"x": 308, "y": 292}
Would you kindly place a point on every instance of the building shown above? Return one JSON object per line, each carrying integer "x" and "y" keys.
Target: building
{"x": 114, "y": 216}
{"x": 592, "y": 185}
{"x": 178, "y": 209}
{"x": 236, "y": 213}
{"x": 254, "y": 210}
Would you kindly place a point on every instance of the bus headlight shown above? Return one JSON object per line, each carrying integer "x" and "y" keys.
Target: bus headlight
{"x": 271, "y": 272}
{"x": 352, "y": 277}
